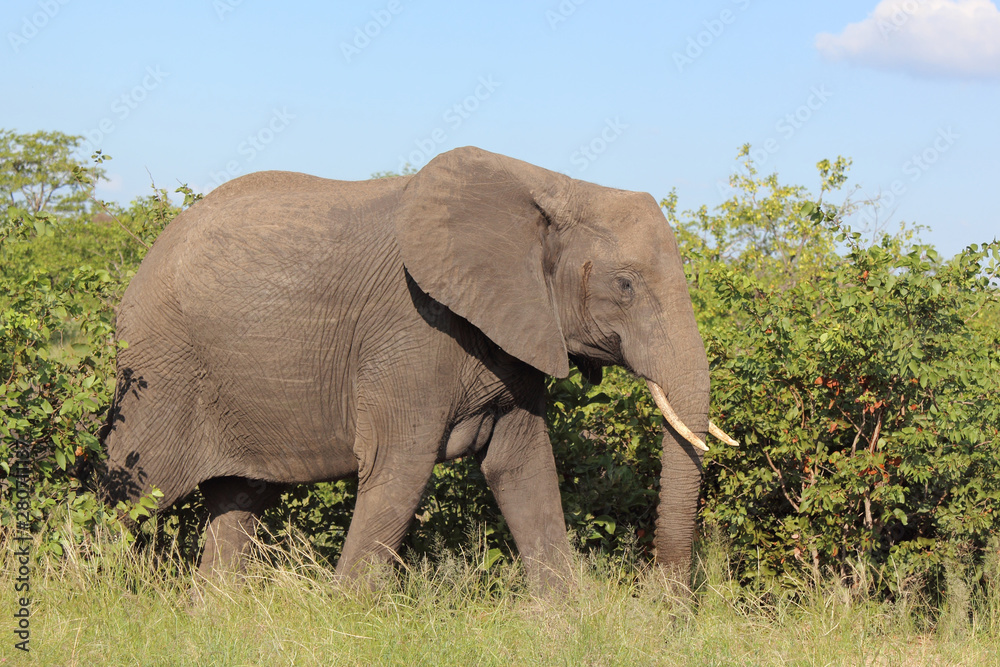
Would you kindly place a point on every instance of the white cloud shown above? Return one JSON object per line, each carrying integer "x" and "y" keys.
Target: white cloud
{"x": 946, "y": 38}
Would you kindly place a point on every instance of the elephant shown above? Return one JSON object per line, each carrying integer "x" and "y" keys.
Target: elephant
{"x": 289, "y": 329}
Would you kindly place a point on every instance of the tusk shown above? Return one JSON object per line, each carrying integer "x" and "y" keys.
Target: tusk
{"x": 721, "y": 435}
{"x": 668, "y": 413}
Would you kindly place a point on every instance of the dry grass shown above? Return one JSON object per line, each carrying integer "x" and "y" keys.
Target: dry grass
{"x": 131, "y": 609}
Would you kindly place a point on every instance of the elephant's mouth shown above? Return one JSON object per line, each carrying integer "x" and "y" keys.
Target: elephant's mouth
{"x": 682, "y": 430}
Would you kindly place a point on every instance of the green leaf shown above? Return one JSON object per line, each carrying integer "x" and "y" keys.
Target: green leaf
{"x": 607, "y": 523}
{"x": 491, "y": 557}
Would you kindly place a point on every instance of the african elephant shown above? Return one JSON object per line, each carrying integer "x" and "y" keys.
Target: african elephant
{"x": 290, "y": 329}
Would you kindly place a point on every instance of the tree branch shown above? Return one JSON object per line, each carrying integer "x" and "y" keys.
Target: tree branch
{"x": 781, "y": 481}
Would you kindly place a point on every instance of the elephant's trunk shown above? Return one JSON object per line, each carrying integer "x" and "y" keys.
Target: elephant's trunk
{"x": 680, "y": 476}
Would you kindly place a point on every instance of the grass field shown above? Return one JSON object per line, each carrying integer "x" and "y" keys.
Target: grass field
{"x": 128, "y": 609}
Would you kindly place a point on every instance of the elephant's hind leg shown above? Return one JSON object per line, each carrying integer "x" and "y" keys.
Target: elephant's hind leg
{"x": 235, "y": 505}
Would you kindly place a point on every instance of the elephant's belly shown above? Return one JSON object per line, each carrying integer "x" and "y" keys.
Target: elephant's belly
{"x": 282, "y": 428}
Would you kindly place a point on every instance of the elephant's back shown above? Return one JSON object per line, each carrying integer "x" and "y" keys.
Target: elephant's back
{"x": 296, "y": 202}
{"x": 261, "y": 221}
{"x": 263, "y": 182}
{"x": 279, "y": 237}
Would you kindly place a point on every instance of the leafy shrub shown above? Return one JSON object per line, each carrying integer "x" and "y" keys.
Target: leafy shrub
{"x": 865, "y": 391}
{"x": 57, "y": 348}
{"x": 56, "y": 375}
{"x": 869, "y": 405}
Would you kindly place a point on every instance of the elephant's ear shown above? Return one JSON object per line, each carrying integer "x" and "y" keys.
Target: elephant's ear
{"x": 474, "y": 237}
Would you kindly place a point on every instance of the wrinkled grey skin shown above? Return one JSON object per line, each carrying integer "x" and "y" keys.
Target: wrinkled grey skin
{"x": 292, "y": 329}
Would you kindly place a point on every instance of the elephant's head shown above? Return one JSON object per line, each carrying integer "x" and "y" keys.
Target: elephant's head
{"x": 554, "y": 269}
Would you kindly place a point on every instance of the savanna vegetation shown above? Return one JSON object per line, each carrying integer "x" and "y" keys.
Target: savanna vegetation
{"x": 856, "y": 523}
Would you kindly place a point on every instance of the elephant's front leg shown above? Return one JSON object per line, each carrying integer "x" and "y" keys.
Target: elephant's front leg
{"x": 393, "y": 472}
{"x": 521, "y": 472}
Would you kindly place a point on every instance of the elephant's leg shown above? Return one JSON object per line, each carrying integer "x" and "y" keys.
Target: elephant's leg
{"x": 391, "y": 481}
{"x": 235, "y": 505}
{"x": 521, "y": 472}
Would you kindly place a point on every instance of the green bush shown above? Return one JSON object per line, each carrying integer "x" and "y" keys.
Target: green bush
{"x": 56, "y": 375}
{"x": 64, "y": 272}
{"x": 865, "y": 388}
{"x": 868, "y": 402}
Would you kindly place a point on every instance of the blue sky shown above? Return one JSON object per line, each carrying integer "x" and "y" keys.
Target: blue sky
{"x": 638, "y": 95}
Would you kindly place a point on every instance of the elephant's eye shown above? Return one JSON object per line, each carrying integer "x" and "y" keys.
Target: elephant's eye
{"x": 625, "y": 288}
